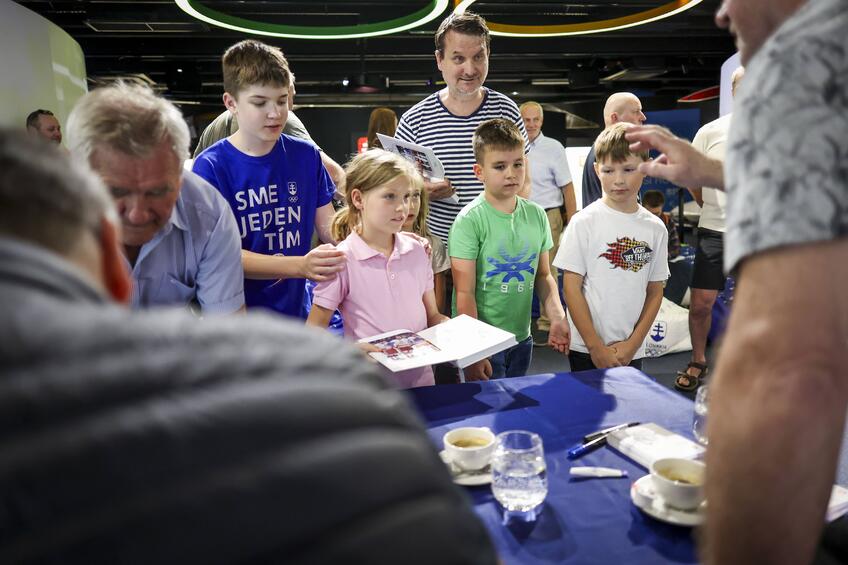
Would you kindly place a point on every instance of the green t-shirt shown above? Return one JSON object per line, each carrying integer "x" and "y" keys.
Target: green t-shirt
{"x": 506, "y": 248}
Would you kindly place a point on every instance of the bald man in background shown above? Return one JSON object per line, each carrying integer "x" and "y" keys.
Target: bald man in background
{"x": 620, "y": 107}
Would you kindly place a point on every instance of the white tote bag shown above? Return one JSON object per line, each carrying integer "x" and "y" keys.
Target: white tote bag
{"x": 670, "y": 331}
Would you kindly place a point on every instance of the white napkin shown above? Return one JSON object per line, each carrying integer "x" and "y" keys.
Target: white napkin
{"x": 838, "y": 504}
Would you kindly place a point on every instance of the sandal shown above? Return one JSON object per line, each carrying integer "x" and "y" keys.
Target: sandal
{"x": 687, "y": 382}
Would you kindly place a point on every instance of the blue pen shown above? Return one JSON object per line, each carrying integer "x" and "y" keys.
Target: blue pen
{"x": 584, "y": 448}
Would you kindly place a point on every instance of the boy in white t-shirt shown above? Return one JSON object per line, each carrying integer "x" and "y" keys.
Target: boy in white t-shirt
{"x": 615, "y": 259}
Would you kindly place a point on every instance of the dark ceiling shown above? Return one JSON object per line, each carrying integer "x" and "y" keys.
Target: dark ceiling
{"x": 669, "y": 58}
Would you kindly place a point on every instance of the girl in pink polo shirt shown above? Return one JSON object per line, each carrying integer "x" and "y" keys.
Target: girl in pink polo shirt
{"x": 387, "y": 282}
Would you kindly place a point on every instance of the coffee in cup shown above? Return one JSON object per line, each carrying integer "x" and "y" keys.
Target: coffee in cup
{"x": 470, "y": 449}
{"x": 679, "y": 482}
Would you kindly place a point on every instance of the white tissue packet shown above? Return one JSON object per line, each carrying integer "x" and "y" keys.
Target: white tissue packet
{"x": 646, "y": 443}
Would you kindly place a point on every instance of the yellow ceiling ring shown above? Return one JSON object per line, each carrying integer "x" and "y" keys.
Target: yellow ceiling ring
{"x": 639, "y": 18}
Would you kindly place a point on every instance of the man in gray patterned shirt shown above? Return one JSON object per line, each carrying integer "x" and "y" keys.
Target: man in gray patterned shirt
{"x": 780, "y": 392}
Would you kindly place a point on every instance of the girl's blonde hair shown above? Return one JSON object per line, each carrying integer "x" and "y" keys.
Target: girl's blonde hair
{"x": 419, "y": 225}
{"x": 365, "y": 172}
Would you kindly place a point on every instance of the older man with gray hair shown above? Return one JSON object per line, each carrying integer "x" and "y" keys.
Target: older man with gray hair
{"x": 551, "y": 186}
{"x": 179, "y": 237}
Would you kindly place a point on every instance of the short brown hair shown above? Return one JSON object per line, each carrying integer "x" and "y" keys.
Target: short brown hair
{"x": 612, "y": 145}
{"x": 652, "y": 199}
{"x": 35, "y": 116}
{"x": 495, "y": 134}
{"x": 467, "y": 23}
{"x": 252, "y": 62}
{"x": 48, "y": 198}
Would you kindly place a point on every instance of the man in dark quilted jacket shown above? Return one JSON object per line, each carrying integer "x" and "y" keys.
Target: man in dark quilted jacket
{"x": 156, "y": 438}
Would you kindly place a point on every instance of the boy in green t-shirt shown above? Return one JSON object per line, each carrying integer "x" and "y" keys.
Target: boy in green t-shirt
{"x": 499, "y": 253}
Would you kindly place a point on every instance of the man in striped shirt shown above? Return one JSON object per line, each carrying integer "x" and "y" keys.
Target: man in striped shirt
{"x": 445, "y": 121}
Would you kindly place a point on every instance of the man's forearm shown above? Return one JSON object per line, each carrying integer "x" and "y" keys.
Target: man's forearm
{"x": 777, "y": 407}
{"x": 712, "y": 173}
{"x": 527, "y": 187}
{"x": 697, "y": 195}
{"x": 569, "y": 200}
{"x": 269, "y": 267}
{"x": 335, "y": 170}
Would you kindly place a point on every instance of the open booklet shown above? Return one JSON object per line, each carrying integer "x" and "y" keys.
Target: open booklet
{"x": 463, "y": 340}
{"x": 422, "y": 157}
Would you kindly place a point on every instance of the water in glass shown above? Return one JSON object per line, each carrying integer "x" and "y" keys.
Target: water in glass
{"x": 699, "y": 420}
{"x": 519, "y": 475}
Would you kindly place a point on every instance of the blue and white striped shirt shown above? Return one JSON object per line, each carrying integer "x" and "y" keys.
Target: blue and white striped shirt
{"x": 430, "y": 124}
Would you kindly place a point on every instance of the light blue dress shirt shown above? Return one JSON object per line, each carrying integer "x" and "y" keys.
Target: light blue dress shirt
{"x": 195, "y": 257}
{"x": 549, "y": 171}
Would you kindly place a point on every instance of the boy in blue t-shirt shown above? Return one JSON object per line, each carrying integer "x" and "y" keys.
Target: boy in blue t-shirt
{"x": 276, "y": 185}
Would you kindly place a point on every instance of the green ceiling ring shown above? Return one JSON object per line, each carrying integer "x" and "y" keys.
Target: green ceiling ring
{"x": 196, "y": 9}
{"x": 640, "y": 18}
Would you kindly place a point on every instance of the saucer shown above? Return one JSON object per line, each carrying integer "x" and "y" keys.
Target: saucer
{"x": 648, "y": 501}
{"x": 467, "y": 478}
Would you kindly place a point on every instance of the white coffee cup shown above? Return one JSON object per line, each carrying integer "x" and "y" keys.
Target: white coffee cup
{"x": 680, "y": 482}
{"x": 470, "y": 449}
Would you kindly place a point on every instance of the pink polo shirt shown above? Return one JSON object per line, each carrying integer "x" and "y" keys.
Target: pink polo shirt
{"x": 376, "y": 295}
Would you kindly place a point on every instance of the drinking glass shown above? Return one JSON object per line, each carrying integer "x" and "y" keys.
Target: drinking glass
{"x": 699, "y": 420}
{"x": 519, "y": 474}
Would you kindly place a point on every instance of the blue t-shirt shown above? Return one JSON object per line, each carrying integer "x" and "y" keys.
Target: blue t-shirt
{"x": 274, "y": 198}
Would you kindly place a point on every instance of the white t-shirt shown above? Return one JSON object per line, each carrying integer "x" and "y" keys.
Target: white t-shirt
{"x": 618, "y": 254}
{"x": 711, "y": 140}
{"x": 548, "y": 170}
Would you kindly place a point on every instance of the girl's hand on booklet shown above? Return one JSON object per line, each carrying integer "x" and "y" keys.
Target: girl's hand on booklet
{"x": 604, "y": 357}
{"x": 438, "y": 190}
{"x": 559, "y": 336}
{"x": 479, "y": 371}
{"x": 367, "y": 348}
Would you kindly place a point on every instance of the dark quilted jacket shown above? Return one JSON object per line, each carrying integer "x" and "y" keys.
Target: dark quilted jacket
{"x": 155, "y": 438}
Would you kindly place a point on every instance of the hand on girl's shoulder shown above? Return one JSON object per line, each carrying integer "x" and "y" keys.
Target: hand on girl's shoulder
{"x": 421, "y": 240}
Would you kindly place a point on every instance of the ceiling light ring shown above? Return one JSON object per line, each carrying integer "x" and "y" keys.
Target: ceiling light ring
{"x": 198, "y": 10}
{"x": 639, "y": 18}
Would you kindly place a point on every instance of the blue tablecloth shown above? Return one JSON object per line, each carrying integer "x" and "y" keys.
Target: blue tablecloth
{"x": 583, "y": 520}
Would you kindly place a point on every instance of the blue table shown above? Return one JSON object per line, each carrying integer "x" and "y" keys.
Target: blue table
{"x": 583, "y": 520}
